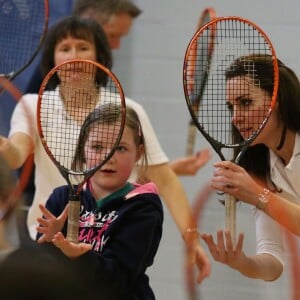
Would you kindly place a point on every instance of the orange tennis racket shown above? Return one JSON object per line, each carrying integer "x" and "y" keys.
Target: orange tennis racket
{"x": 68, "y": 94}
{"x": 236, "y": 42}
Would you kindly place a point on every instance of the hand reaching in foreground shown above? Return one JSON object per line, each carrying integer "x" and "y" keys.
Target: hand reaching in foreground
{"x": 259, "y": 266}
{"x": 197, "y": 256}
{"x": 224, "y": 251}
{"x": 49, "y": 225}
{"x": 190, "y": 165}
{"x": 70, "y": 249}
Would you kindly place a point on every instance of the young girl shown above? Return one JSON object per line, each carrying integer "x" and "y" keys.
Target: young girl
{"x": 120, "y": 222}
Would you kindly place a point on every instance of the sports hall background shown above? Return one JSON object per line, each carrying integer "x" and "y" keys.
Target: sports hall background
{"x": 149, "y": 66}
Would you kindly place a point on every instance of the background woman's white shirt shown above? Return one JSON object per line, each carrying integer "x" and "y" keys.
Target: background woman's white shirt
{"x": 47, "y": 176}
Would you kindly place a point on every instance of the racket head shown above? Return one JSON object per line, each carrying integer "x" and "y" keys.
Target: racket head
{"x": 207, "y": 15}
{"x": 234, "y": 37}
{"x": 197, "y": 60}
{"x": 23, "y": 26}
{"x": 194, "y": 73}
{"x": 83, "y": 86}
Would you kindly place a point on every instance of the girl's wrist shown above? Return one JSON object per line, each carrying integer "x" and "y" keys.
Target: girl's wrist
{"x": 190, "y": 235}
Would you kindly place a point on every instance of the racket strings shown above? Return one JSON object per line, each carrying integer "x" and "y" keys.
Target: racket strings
{"x": 195, "y": 75}
{"x": 232, "y": 39}
{"x": 64, "y": 111}
{"x": 198, "y": 66}
{"x": 22, "y": 25}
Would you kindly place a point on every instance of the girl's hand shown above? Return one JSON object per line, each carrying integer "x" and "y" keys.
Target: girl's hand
{"x": 49, "y": 225}
{"x": 70, "y": 249}
{"x": 197, "y": 256}
{"x": 202, "y": 263}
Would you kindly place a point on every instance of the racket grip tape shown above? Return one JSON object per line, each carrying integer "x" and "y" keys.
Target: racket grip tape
{"x": 192, "y": 129}
{"x": 73, "y": 221}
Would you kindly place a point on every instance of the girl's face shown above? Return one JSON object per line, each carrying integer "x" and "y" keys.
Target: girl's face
{"x": 115, "y": 173}
{"x": 249, "y": 105}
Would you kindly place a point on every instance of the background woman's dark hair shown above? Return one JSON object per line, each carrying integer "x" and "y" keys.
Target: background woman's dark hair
{"x": 76, "y": 27}
{"x": 256, "y": 159}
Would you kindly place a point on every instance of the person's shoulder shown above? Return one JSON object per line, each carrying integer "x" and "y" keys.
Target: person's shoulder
{"x": 149, "y": 187}
{"x": 30, "y": 96}
{"x": 133, "y": 104}
{"x": 29, "y": 99}
{"x": 26, "y": 105}
{"x": 58, "y": 199}
{"x": 61, "y": 191}
{"x": 148, "y": 192}
{"x": 142, "y": 114}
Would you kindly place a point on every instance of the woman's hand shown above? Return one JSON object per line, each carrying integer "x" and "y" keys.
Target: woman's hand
{"x": 232, "y": 179}
{"x": 224, "y": 251}
{"x": 49, "y": 225}
{"x": 70, "y": 249}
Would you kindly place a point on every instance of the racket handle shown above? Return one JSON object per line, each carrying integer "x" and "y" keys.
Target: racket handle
{"x": 191, "y": 139}
{"x": 73, "y": 221}
{"x": 230, "y": 216}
